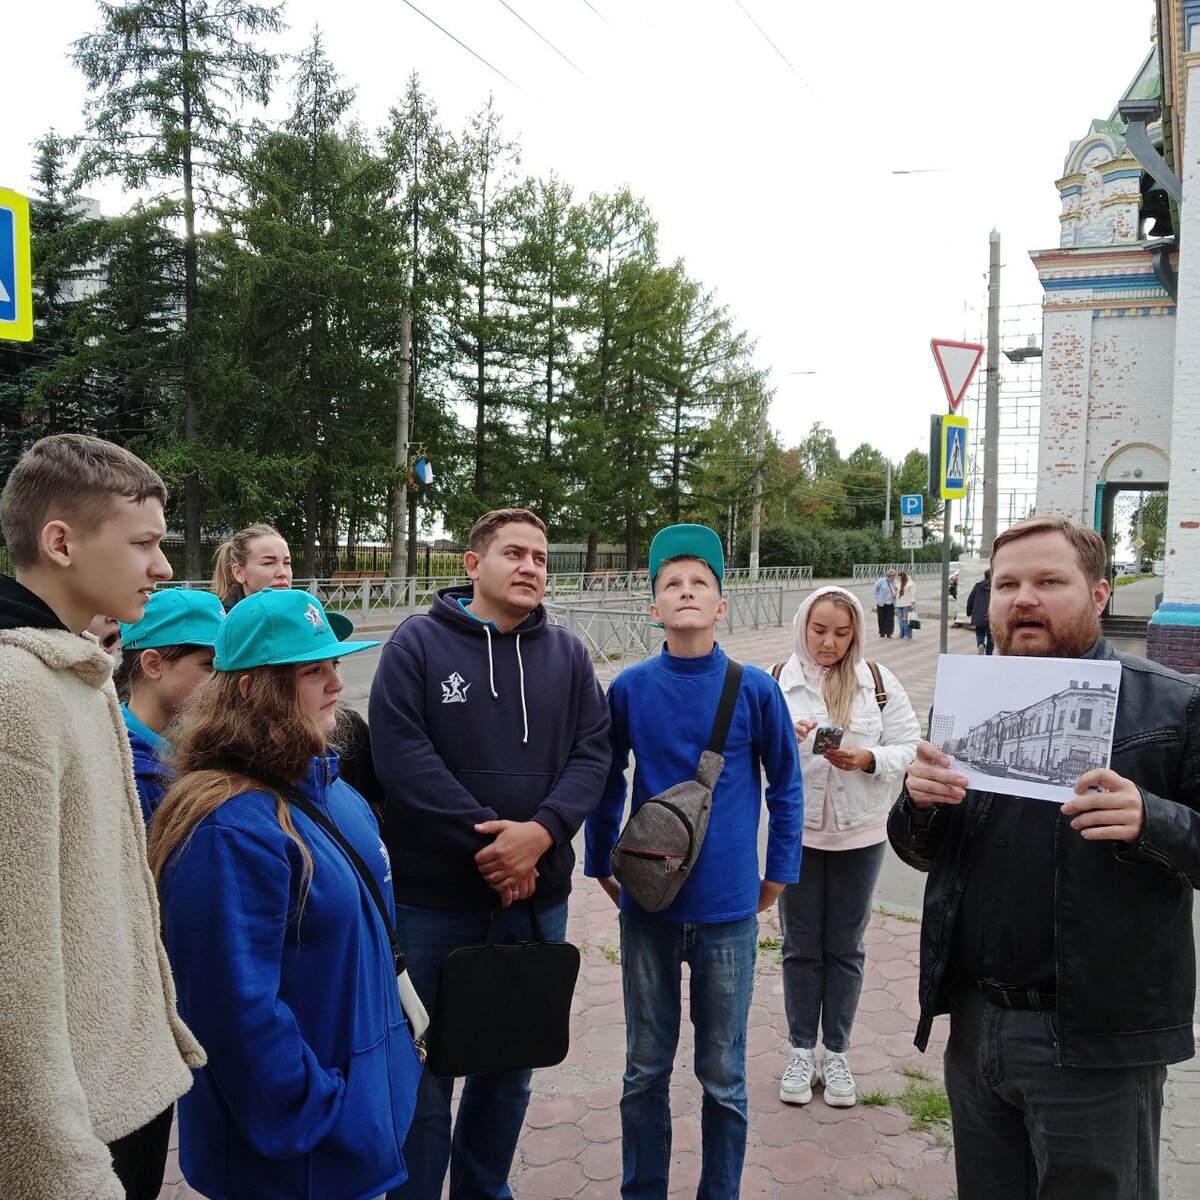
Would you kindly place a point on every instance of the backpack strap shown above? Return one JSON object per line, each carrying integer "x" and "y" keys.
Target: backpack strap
{"x": 776, "y": 671}
{"x": 720, "y": 729}
{"x": 881, "y": 696}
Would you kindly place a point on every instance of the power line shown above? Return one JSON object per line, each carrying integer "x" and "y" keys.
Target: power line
{"x": 545, "y": 39}
{"x": 467, "y": 48}
{"x": 767, "y": 37}
{"x": 596, "y": 11}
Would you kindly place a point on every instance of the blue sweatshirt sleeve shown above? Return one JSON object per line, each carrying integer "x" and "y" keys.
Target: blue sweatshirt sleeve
{"x": 785, "y": 788}
{"x": 579, "y": 786}
{"x": 417, "y": 781}
{"x": 604, "y": 825}
{"x": 226, "y": 899}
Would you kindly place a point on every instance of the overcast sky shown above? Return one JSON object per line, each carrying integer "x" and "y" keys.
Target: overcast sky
{"x": 770, "y": 168}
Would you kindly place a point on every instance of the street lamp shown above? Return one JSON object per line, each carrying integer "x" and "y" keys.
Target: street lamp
{"x": 760, "y": 467}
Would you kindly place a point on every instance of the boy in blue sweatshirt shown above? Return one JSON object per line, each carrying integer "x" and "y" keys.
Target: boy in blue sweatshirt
{"x": 663, "y": 711}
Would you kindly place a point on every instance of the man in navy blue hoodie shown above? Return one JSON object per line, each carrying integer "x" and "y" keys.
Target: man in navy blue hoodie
{"x": 490, "y": 737}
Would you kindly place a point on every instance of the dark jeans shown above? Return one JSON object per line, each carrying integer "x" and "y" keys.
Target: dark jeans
{"x": 887, "y": 619}
{"x": 824, "y": 917}
{"x": 1026, "y": 1129}
{"x": 984, "y": 635}
{"x": 721, "y": 960}
{"x": 491, "y": 1109}
{"x": 140, "y": 1157}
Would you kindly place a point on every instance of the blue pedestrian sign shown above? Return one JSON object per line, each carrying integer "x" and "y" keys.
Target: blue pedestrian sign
{"x": 954, "y": 458}
{"x": 16, "y": 283}
{"x": 912, "y": 506}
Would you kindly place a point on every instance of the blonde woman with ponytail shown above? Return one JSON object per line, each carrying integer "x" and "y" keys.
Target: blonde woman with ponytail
{"x": 279, "y": 953}
{"x": 852, "y": 774}
{"x": 255, "y": 558}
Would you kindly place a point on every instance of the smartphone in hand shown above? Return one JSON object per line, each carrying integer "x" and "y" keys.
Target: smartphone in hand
{"x": 827, "y": 737}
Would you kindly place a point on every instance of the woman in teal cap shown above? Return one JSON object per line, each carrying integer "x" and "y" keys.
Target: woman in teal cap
{"x": 165, "y": 656}
{"x": 281, "y": 956}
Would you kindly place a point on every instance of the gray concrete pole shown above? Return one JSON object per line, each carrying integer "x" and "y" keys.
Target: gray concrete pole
{"x": 756, "y": 517}
{"x": 991, "y": 420}
{"x": 400, "y": 487}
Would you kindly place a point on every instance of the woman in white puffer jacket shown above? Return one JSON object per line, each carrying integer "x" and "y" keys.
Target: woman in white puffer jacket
{"x": 848, "y": 791}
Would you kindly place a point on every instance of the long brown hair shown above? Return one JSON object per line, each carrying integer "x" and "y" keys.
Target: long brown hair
{"x": 267, "y": 730}
{"x": 236, "y": 550}
{"x": 841, "y": 680}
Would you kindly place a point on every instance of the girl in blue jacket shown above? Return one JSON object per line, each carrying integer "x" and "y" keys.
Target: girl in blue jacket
{"x": 281, "y": 959}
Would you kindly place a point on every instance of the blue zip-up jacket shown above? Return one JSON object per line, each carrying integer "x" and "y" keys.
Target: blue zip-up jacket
{"x": 469, "y": 724}
{"x": 663, "y": 710}
{"x": 311, "y": 1076}
{"x": 151, "y": 775}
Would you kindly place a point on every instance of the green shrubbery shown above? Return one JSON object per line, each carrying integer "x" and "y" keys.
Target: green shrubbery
{"x": 830, "y": 551}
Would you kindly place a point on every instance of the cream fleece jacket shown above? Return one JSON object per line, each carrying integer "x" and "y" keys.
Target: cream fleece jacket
{"x": 91, "y": 1047}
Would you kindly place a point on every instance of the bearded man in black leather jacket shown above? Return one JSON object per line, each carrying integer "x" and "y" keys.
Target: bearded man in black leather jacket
{"x": 1059, "y": 939}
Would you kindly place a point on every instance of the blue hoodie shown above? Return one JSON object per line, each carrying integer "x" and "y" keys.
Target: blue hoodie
{"x": 469, "y": 724}
{"x": 311, "y": 1076}
{"x": 150, "y": 773}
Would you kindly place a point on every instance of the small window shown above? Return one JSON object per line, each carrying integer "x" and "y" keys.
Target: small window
{"x": 1085, "y": 718}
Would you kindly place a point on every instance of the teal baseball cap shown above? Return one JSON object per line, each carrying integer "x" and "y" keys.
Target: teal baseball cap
{"x": 277, "y": 628}
{"x": 687, "y": 541}
{"x": 175, "y": 617}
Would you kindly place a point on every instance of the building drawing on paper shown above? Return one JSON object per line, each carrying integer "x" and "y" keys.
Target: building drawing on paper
{"x": 1054, "y": 740}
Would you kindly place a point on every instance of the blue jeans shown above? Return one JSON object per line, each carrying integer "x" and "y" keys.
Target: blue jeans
{"x": 1027, "y": 1129}
{"x": 902, "y": 618}
{"x": 491, "y": 1109}
{"x": 983, "y": 637}
{"x": 721, "y": 959}
{"x": 824, "y": 917}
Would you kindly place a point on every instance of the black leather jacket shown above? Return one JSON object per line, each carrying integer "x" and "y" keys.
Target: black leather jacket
{"x": 1126, "y": 967}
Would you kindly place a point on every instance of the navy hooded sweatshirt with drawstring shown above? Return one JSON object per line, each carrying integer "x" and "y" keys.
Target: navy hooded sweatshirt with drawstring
{"x": 471, "y": 724}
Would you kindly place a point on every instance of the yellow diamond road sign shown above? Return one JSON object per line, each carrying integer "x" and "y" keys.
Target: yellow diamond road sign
{"x": 16, "y": 281}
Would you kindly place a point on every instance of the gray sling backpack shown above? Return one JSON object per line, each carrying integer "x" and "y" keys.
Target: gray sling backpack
{"x": 660, "y": 843}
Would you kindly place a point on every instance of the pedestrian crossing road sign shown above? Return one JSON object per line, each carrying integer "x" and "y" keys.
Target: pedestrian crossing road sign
{"x": 16, "y": 288}
{"x": 954, "y": 458}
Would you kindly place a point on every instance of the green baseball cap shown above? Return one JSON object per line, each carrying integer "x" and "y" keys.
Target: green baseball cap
{"x": 276, "y": 628}
{"x": 175, "y": 617}
{"x": 687, "y": 541}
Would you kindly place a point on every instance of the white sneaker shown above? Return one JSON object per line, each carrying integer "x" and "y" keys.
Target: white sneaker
{"x": 796, "y": 1085}
{"x": 834, "y": 1072}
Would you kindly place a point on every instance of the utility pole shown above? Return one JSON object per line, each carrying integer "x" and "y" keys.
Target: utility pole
{"x": 887, "y": 511}
{"x": 760, "y": 466}
{"x": 400, "y": 487}
{"x": 991, "y": 420}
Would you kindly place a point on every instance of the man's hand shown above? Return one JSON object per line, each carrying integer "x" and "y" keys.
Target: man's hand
{"x": 523, "y": 890}
{"x": 768, "y": 892}
{"x": 513, "y": 852}
{"x": 849, "y": 758}
{"x": 612, "y": 889}
{"x": 1113, "y": 813}
{"x": 930, "y": 781}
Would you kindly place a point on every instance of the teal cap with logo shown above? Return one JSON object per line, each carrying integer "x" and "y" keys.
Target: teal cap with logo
{"x": 687, "y": 541}
{"x": 175, "y": 617}
{"x": 276, "y": 628}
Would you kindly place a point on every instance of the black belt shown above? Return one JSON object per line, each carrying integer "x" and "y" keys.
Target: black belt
{"x": 1035, "y": 998}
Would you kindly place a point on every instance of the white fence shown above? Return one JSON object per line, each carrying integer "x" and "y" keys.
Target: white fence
{"x": 914, "y": 570}
{"x": 361, "y": 597}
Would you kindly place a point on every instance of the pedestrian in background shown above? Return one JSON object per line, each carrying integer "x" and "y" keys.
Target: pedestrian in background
{"x": 885, "y": 603}
{"x": 282, "y": 958}
{"x": 906, "y": 602}
{"x": 977, "y": 612}
{"x": 848, "y": 790}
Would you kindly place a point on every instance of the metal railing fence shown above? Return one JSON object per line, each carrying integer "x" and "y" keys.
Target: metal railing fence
{"x": 915, "y": 570}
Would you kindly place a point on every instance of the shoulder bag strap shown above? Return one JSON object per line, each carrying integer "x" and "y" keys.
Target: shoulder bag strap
{"x": 881, "y": 696}
{"x": 295, "y": 796}
{"x": 720, "y": 729}
{"x": 776, "y": 671}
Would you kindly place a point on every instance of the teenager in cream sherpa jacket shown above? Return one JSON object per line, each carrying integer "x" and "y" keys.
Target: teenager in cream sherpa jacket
{"x": 91, "y": 1047}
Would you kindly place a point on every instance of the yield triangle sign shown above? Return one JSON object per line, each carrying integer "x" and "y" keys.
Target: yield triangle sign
{"x": 956, "y": 363}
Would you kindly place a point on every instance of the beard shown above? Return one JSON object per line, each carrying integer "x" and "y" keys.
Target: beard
{"x": 1068, "y": 636}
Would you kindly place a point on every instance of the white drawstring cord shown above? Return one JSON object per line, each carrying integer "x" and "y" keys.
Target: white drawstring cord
{"x": 524, "y": 713}
{"x": 491, "y": 667}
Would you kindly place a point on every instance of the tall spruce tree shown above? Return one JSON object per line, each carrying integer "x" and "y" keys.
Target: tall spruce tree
{"x": 167, "y": 77}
